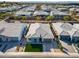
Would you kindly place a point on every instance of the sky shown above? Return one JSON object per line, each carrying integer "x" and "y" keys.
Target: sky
{"x": 38, "y": 0}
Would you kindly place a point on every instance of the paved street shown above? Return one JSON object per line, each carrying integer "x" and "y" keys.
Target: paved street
{"x": 33, "y": 54}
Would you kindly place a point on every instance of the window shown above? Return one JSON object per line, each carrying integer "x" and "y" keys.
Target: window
{"x": 1, "y": 40}
{"x": 35, "y": 40}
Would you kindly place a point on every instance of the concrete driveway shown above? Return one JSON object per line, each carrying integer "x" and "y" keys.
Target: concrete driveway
{"x": 48, "y": 46}
{"x": 68, "y": 48}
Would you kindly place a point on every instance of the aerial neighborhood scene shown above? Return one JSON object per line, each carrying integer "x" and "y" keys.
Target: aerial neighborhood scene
{"x": 39, "y": 29}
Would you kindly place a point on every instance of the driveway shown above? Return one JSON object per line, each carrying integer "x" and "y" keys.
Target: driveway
{"x": 68, "y": 48}
{"x": 48, "y": 46}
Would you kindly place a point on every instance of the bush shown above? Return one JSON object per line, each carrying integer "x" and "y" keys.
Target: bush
{"x": 38, "y": 18}
{"x": 66, "y": 18}
{"x": 49, "y": 18}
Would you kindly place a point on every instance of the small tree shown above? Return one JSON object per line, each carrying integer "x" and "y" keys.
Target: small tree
{"x": 66, "y": 18}
{"x": 38, "y": 18}
{"x": 17, "y": 48}
{"x": 49, "y": 18}
{"x": 24, "y": 18}
{"x": 16, "y": 17}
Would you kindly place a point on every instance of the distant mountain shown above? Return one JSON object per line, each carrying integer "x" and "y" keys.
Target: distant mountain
{"x": 50, "y": 2}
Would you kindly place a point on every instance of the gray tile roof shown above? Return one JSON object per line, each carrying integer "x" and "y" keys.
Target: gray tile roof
{"x": 76, "y": 33}
{"x": 45, "y": 7}
{"x": 64, "y": 33}
{"x": 26, "y": 13}
{"x": 66, "y": 27}
{"x": 30, "y": 8}
{"x": 58, "y": 13}
{"x": 40, "y": 13}
{"x": 10, "y": 8}
{"x": 38, "y": 29}
{"x": 11, "y": 29}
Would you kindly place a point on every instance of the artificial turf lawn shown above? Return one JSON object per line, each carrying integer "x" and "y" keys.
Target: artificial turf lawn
{"x": 33, "y": 48}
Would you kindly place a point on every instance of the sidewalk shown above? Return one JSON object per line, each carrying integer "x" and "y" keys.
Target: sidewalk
{"x": 32, "y": 54}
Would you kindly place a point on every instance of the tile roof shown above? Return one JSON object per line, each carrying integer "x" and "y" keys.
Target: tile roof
{"x": 38, "y": 29}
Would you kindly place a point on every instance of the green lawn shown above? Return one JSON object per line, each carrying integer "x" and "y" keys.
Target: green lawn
{"x": 33, "y": 48}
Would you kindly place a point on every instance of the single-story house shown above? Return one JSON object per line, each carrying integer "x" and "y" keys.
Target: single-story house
{"x": 40, "y": 13}
{"x": 58, "y": 14}
{"x": 12, "y": 35}
{"x": 77, "y": 10}
{"x": 69, "y": 6}
{"x": 23, "y": 13}
{"x": 66, "y": 32}
{"x": 74, "y": 10}
{"x": 46, "y": 8}
{"x": 30, "y": 8}
{"x": 63, "y": 9}
{"x": 39, "y": 33}
{"x": 76, "y": 34}
{"x": 12, "y": 32}
{"x": 3, "y": 9}
{"x": 27, "y": 14}
{"x": 10, "y": 8}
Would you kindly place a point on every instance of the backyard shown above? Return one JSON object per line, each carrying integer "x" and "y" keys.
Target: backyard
{"x": 33, "y": 48}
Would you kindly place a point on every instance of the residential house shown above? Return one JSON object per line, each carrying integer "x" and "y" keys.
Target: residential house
{"x": 39, "y": 33}
{"x": 63, "y": 9}
{"x": 12, "y": 35}
{"x": 10, "y": 8}
{"x": 74, "y": 10}
{"x": 30, "y": 8}
{"x": 76, "y": 34}
{"x": 58, "y": 15}
{"x": 42, "y": 14}
{"x": 4, "y": 9}
{"x": 27, "y": 14}
{"x": 23, "y": 13}
{"x": 12, "y": 32}
{"x": 66, "y": 31}
{"x": 46, "y": 8}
